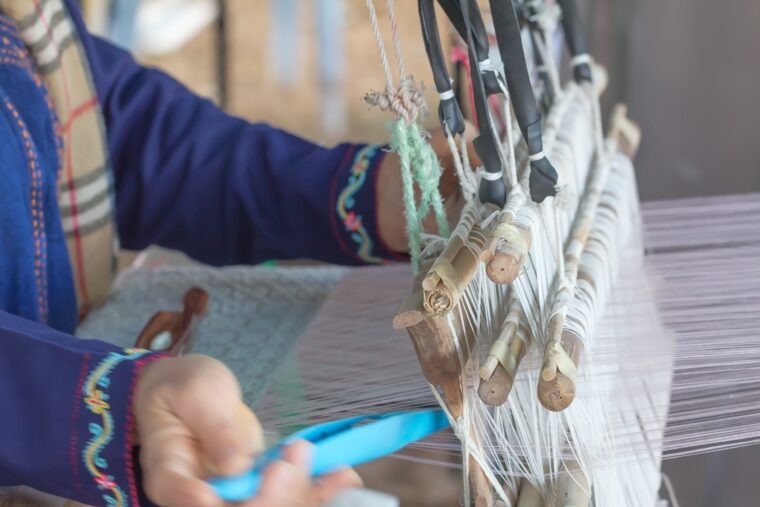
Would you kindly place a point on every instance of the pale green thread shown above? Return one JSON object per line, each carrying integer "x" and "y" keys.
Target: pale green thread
{"x": 420, "y": 166}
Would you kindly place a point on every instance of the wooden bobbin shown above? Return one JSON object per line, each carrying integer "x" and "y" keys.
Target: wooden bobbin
{"x": 509, "y": 257}
{"x": 495, "y": 391}
{"x": 624, "y": 132}
{"x": 498, "y": 371}
{"x": 453, "y": 271}
{"x": 556, "y": 388}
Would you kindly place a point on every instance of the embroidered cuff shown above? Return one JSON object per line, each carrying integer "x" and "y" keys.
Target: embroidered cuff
{"x": 356, "y": 217}
{"x": 102, "y": 448}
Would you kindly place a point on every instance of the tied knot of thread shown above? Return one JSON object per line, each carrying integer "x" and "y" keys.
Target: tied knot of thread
{"x": 407, "y": 102}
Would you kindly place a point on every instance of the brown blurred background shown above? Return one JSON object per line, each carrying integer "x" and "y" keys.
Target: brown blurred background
{"x": 687, "y": 69}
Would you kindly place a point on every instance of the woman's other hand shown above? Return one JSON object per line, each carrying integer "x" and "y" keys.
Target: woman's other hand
{"x": 192, "y": 424}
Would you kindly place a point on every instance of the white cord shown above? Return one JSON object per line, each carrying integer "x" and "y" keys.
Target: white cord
{"x": 447, "y": 95}
{"x": 538, "y": 156}
{"x": 582, "y": 59}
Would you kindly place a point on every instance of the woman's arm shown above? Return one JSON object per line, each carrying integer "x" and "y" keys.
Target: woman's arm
{"x": 190, "y": 177}
{"x": 67, "y": 418}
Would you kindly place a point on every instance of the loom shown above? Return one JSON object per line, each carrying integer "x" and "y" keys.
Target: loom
{"x": 569, "y": 362}
{"x": 523, "y": 279}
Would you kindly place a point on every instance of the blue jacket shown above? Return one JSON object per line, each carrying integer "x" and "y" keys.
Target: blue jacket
{"x": 187, "y": 176}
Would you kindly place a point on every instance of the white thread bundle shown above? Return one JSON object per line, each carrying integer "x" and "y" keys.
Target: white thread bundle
{"x": 704, "y": 253}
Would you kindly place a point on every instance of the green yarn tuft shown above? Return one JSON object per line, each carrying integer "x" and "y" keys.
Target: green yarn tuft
{"x": 420, "y": 167}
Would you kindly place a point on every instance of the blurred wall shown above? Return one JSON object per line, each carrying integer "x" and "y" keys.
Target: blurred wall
{"x": 689, "y": 71}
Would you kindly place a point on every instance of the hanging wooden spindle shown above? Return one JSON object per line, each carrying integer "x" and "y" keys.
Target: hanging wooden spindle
{"x": 511, "y": 252}
{"x": 455, "y": 268}
{"x": 498, "y": 372}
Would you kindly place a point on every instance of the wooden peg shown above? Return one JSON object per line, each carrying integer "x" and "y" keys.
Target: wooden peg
{"x": 557, "y": 382}
{"x": 510, "y": 244}
{"x": 452, "y": 273}
{"x": 495, "y": 390}
{"x": 624, "y": 132}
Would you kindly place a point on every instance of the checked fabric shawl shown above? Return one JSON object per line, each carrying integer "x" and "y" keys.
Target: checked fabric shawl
{"x": 85, "y": 197}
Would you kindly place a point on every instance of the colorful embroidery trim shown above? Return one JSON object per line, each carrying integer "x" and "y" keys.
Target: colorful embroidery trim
{"x": 352, "y": 221}
{"x": 96, "y": 400}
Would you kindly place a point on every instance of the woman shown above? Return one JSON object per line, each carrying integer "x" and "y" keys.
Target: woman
{"x": 94, "y": 147}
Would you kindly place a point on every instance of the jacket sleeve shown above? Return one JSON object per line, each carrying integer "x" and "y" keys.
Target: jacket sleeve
{"x": 190, "y": 177}
{"x": 66, "y": 420}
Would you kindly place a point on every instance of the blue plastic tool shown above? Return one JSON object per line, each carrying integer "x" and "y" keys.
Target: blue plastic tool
{"x": 340, "y": 444}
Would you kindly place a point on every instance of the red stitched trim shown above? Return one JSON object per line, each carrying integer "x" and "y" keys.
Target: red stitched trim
{"x": 73, "y": 448}
{"x": 129, "y": 442}
{"x": 350, "y": 154}
{"x": 36, "y": 184}
{"x": 5, "y": 20}
{"x": 69, "y": 166}
{"x": 10, "y": 60}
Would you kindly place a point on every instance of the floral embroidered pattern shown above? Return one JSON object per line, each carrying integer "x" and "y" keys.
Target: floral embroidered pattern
{"x": 96, "y": 400}
{"x": 352, "y": 221}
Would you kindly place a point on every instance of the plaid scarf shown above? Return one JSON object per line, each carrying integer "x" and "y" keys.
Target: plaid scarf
{"x": 85, "y": 188}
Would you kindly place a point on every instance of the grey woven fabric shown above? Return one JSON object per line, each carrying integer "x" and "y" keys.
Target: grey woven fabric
{"x": 255, "y": 318}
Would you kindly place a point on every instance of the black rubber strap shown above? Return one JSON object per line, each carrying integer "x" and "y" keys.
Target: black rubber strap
{"x": 453, "y": 10}
{"x": 493, "y": 191}
{"x": 543, "y": 178}
{"x": 449, "y": 113}
{"x": 576, "y": 38}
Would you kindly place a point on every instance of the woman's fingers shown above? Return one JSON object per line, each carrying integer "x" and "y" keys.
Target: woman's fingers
{"x": 328, "y": 487}
{"x": 287, "y": 483}
{"x": 172, "y": 470}
{"x": 192, "y": 425}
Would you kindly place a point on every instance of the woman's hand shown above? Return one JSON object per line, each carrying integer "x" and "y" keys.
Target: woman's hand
{"x": 192, "y": 424}
{"x": 391, "y": 218}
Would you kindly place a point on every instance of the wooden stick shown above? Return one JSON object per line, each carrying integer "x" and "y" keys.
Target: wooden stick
{"x": 441, "y": 365}
{"x": 495, "y": 390}
{"x": 512, "y": 245}
{"x": 624, "y": 132}
{"x": 453, "y": 273}
{"x": 556, "y": 386}
{"x": 498, "y": 372}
